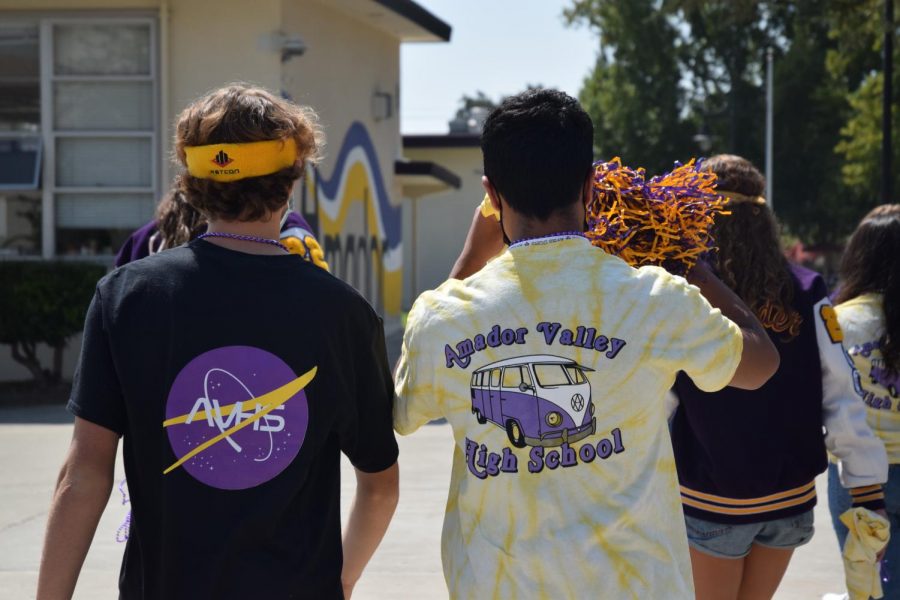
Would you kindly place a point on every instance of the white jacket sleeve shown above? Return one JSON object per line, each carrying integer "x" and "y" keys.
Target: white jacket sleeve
{"x": 861, "y": 455}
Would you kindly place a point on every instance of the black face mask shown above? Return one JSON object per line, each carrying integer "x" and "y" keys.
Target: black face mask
{"x": 506, "y": 240}
{"x": 502, "y": 230}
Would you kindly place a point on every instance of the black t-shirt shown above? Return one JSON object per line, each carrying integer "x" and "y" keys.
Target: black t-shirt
{"x": 236, "y": 381}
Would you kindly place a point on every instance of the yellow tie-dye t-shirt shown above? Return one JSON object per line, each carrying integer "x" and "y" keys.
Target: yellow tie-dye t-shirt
{"x": 551, "y": 365}
{"x": 862, "y": 322}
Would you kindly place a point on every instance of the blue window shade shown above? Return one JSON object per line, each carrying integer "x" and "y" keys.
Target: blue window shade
{"x": 20, "y": 162}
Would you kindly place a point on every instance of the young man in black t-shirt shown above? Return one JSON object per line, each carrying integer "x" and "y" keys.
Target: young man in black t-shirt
{"x": 236, "y": 373}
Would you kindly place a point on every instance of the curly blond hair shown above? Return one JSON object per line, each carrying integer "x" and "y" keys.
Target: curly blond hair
{"x": 243, "y": 113}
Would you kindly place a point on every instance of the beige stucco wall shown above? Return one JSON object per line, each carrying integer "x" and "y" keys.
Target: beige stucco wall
{"x": 207, "y": 43}
{"x": 346, "y": 62}
{"x": 212, "y": 43}
{"x": 66, "y": 5}
{"x": 442, "y": 219}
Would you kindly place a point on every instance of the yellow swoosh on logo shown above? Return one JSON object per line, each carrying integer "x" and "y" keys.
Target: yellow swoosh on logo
{"x": 271, "y": 401}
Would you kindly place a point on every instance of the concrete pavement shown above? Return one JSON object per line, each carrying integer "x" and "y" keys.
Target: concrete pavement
{"x": 33, "y": 442}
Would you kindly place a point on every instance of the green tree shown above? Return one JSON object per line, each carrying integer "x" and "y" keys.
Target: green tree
{"x": 473, "y": 110}
{"x": 479, "y": 100}
{"x": 672, "y": 73}
{"x": 633, "y": 93}
{"x": 44, "y": 303}
{"x": 810, "y": 109}
{"x": 722, "y": 45}
{"x": 855, "y": 63}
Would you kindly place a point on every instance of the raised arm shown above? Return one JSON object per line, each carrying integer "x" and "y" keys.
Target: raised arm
{"x": 759, "y": 358}
{"x": 82, "y": 491}
{"x": 483, "y": 242}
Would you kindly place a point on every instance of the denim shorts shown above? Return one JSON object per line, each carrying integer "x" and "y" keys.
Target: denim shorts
{"x": 734, "y": 541}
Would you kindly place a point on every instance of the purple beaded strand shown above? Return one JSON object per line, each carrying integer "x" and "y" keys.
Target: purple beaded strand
{"x": 243, "y": 238}
{"x": 125, "y": 527}
{"x": 561, "y": 235}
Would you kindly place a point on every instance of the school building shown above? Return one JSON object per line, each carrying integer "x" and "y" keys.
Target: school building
{"x": 437, "y": 223}
{"x": 89, "y": 91}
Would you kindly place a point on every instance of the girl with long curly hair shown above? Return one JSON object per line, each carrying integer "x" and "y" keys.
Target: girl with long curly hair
{"x": 747, "y": 460}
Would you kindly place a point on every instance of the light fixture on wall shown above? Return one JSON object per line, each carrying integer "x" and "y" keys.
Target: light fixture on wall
{"x": 382, "y": 105}
{"x": 288, "y": 45}
{"x": 292, "y": 45}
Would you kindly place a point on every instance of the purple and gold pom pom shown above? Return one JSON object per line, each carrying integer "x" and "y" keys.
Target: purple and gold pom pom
{"x": 665, "y": 221}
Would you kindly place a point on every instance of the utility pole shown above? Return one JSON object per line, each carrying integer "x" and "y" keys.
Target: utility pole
{"x": 770, "y": 134}
{"x": 887, "y": 193}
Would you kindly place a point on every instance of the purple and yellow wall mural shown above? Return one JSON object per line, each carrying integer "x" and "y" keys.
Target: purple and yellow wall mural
{"x": 358, "y": 227}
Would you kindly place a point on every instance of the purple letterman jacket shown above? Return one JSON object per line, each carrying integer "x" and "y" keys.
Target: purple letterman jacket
{"x": 752, "y": 456}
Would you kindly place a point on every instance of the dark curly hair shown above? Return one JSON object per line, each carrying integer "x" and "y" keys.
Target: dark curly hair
{"x": 243, "y": 113}
{"x": 870, "y": 265}
{"x": 177, "y": 221}
{"x": 750, "y": 259}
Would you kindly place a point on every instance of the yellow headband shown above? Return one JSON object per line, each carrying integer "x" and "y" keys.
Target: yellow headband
{"x": 231, "y": 162}
{"x": 736, "y": 198}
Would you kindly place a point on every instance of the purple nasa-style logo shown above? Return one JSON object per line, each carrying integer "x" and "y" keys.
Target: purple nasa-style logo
{"x": 236, "y": 417}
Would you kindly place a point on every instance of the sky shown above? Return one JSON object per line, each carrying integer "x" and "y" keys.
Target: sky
{"x": 498, "y": 47}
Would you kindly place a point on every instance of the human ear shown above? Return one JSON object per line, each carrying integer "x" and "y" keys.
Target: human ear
{"x": 587, "y": 189}
{"x": 491, "y": 192}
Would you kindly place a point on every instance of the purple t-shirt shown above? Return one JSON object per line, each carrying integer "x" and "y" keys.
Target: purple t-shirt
{"x": 138, "y": 244}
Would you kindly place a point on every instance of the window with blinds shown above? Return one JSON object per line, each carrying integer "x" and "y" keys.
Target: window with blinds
{"x": 100, "y": 122}
{"x": 79, "y": 141}
{"x": 20, "y": 138}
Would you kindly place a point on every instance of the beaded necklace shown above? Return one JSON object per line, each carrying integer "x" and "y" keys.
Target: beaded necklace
{"x": 546, "y": 239}
{"x": 243, "y": 238}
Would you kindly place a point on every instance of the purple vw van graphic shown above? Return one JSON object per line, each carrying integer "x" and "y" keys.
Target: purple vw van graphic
{"x": 539, "y": 400}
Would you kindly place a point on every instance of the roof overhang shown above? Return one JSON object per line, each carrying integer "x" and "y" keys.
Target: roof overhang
{"x": 404, "y": 19}
{"x": 449, "y": 140}
{"x": 420, "y": 177}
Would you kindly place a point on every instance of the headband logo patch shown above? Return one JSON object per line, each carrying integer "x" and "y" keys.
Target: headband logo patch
{"x": 222, "y": 159}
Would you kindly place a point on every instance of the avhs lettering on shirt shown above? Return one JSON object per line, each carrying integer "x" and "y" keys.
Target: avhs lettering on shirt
{"x": 541, "y": 401}
{"x": 236, "y": 417}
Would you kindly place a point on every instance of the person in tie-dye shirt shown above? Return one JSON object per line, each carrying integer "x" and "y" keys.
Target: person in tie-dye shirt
{"x": 551, "y": 365}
